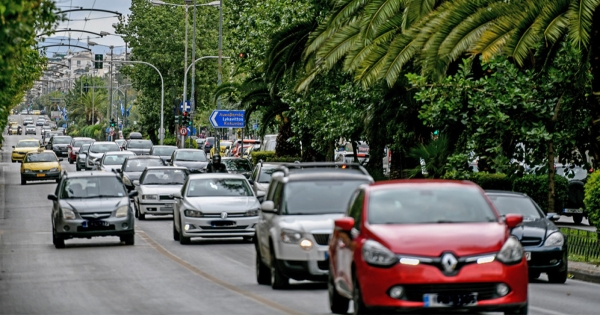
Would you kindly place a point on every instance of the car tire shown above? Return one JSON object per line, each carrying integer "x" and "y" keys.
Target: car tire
{"x": 58, "y": 180}
{"x": 70, "y": 161}
{"x": 560, "y": 276}
{"x": 577, "y": 218}
{"x": 278, "y": 279}
{"x": 175, "y": 233}
{"x": 263, "y": 273}
{"x": 141, "y": 216}
{"x": 14, "y": 161}
{"x": 337, "y": 303}
{"x": 357, "y": 301}
{"x": 128, "y": 239}
{"x": 23, "y": 181}
{"x": 182, "y": 239}
{"x": 77, "y": 167}
{"x": 58, "y": 241}
{"x": 523, "y": 310}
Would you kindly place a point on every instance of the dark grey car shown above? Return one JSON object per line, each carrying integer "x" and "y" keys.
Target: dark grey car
{"x": 59, "y": 144}
{"x": 82, "y": 156}
{"x": 133, "y": 167}
{"x": 238, "y": 166}
{"x": 164, "y": 151}
{"x": 139, "y": 147}
{"x": 195, "y": 160}
{"x": 91, "y": 204}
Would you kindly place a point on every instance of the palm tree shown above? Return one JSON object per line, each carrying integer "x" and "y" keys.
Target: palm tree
{"x": 89, "y": 105}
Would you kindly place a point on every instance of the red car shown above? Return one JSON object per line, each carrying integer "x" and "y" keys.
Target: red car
{"x": 73, "y": 148}
{"x": 426, "y": 245}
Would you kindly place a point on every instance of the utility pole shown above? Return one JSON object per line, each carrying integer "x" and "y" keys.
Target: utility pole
{"x": 110, "y": 102}
{"x": 193, "y": 96}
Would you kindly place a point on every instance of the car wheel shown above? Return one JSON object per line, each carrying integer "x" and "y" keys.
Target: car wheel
{"x": 175, "y": 233}
{"x": 58, "y": 241}
{"x": 560, "y": 276}
{"x": 23, "y": 181}
{"x": 357, "y": 302}
{"x": 141, "y": 216}
{"x": 70, "y": 161}
{"x": 263, "y": 273}
{"x": 182, "y": 239}
{"x": 58, "y": 180}
{"x": 128, "y": 239}
{"x": 518, "y": 311}
{"x": 577, "y": 218}
{"x": 77, "y": 167}
{"x": 337, "y": 303}
{"x": 278, "y": 279}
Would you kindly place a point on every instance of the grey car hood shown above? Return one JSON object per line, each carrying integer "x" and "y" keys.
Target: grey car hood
{"x": 191, "y": 165}
{"x": 94, "y": 204}
{"x": 221, "y": 204}
{"x": 322, "y": 223}
{"x": 159, "y": 189}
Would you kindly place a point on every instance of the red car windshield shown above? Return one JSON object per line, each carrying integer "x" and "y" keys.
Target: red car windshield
{"x": 414, "y": 205}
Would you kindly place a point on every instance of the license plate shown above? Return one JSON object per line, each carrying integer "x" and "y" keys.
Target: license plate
{"x": 573, "y": 211}
{"x": 528, "y": 256}
{"x": 86, "y": 224}
{"x": 40, "y": 175}
{"x": 448, "y": 300}
{"x": 223, "y": 224}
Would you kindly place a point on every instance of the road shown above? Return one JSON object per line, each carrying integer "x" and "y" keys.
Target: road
{"x": 158, "y": 275}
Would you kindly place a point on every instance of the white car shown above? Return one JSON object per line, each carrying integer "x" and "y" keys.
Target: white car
{"x": 156, "y": 188}
{"x": 215, "y": 205}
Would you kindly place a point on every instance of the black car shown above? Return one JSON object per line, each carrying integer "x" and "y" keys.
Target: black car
{"x": 574, "y": 206}
{"x": 208, "y": 144}
{"x": 544, "y": 244}
{"x": 194, "y": 160}
{"x": 59, "y": 144}
{"x": 133, "y": 167}
{"x": 238, "y": 166}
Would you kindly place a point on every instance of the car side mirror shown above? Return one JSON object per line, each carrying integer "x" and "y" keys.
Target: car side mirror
{"x": 344, "y": 224}
{"x": 512, "y": 220}
{"x": 136, "y": 182}
{"x": 118, "y": 170}
{"x": 133, "y": 193}
{"x": 268, "y": 206}
{"x": 177, "y": 195}
{"x": 553, "y": 216}
{"x": 52, "y": 197}
{"x": 251, "y": 181}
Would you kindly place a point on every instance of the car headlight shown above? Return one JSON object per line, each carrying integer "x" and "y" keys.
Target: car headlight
{"x": 193, "y": 213}
{"x": 252, "y": 213}
{"x": 376, "y": 254}
{"x": 68, "y": 214}
{"x": 511, "y": 252}
{"x": 555, "y": 239}
{"x": 291, "y": 236}
{"x": 306, "y": 244}
{"x": 150, "y": 197}
{"x": 54, "y": 169}
{"x": 27, "y": 171}
{"x": 122, "y": 211}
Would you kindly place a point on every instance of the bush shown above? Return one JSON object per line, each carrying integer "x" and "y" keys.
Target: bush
{"x": 262, "y": 155}
{"x": 169, "y": 141}
{"x": 592, "y": 198}
{"x": 536, "y": 187}
{"x": 496, "y": 181}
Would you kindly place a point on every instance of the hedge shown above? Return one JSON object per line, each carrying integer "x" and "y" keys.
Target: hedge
{"x": 536, "y": 187}
{"x": 592, "y": 198}
{"x": 496, "y": 181}
{"x": 269, "y": 156}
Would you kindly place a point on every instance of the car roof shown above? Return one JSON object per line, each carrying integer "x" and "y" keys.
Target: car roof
{"x": 144, "y": 157}
{"x": 30, "y": 139}
{"x": 326, "y": 174}
{"x": 82, "y": 138}
{"x": 216, "y": 175}
{"x": 164, "y": 146}
{"x": 37, "y": 152}
{"x": 102, "y": 142}
{"x": 119, "y": 153}
{"x": 430, "y": 182}
{"x": 189, "y": 150}
{"x": 88, "y": 174}
{"x": 506, "y": 192}
{"x": 166, "y": 167}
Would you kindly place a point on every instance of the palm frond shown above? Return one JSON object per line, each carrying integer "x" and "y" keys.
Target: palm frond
{"x": 338, "y": 46}
{"x": 377, "y": 13}
{"x": 556, "y": 21}
{"x": 580, "y": 16}
{"x": 416, "y": 10}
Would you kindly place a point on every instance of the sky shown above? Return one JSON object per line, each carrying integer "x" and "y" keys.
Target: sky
{"x": 96, "y": 22}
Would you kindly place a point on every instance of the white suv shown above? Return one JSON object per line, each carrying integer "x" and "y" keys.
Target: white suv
{"x": 296, "y": 220}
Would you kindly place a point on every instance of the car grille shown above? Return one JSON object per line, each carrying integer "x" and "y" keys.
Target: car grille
{"x": 323, "y": 264}
{"x": 531, "y": 241}
{"x": 485, "y": 291}
{"x": 229, "y": 215}
{"x": 321, "y": 239}
{"x": 166, "y": 197}
{"x": 95, "y": 215}
{"x": 238, "y": 227}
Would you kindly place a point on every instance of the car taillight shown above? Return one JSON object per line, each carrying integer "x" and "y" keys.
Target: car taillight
{"x": 207, "y": 143}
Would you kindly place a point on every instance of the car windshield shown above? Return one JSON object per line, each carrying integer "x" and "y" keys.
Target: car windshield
{"x": 28, "y": 144}
{"x": 84, "y": 148}
{"x": 506, "y": 204}
{"x": 139, "y": 144}
{"x": 192, "y": 156}
{"x": 40, "y": 157}
{"x": 104, "y": 147}
{"x": 92, "y": 187}
{"x": 115, "y": 159}
{"x": 413, "y": 205}
{"x": 318, "y": 197}
{"x": 163, "y": 151}
{"x": 576, "y": 173}
{"x": 215, "y": 187}
{"x": 242, "y": 165}
{"x": 79, "y": 143}
{"x": 265, "y": 174}
{"x": 164, "y": 177}
{"x": 138, "y": 165}
{"x": 62, "y": 140}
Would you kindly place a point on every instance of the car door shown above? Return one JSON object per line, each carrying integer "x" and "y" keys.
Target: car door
{"x": 177, "y": 206}
{"x": 346, "y": 244}
{"x": 255, "y": 175}
{"x": 266, "y": 219}
{"x": 56, "y": 205}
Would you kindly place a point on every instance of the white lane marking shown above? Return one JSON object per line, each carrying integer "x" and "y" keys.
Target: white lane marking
{"x": 545, "y": 311}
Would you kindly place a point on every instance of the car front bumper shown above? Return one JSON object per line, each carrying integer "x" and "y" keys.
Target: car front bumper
{"x": 300, "y": 264}
{"x": 217, "y": 227}
{"x": 43, "y": 175}
{"x": 375, "y": 283}
{"x": 157, "y": 207}
{"x": 60, "y": 151}
{"x": 75, "y": 228}
{"x": 546, "y": 259}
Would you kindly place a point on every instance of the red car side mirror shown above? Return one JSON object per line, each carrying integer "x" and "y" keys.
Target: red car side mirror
{"x": 344, "y": 224}
{"x": 512, "y": 220}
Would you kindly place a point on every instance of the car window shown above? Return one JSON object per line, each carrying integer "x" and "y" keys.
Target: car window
{"x": 516, "y": 204}
{"x": 192, "y": 156}
{"x": 138, "y": 165}
{"x": 163, "y": 151}
{"x": 104, "y": 147}
{"x": 255, "y": 172}
{"x": 92, "y": 187}
{"x": 28, "y": 144}
{"x": 115, "y": 159}
{"x": 84, "y": 148}
{"x": 79, "y": 143}
{"x": 164, "y": 177}
{"x": 356, "y": 207}
{"x": 139, "y": 144}
{"x": 215, "y": 187}
{"x": 265, "y": 174}
{"x": 413, "y": 205}
{"x": 238, "y": 165}
{"x": 318, "y": 197}
{"x": 40, "y": 157}
{"x": 61, "y": 140}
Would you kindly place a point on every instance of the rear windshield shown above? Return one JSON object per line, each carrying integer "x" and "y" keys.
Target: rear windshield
{"x": 28, "y": 144}
{"x": 85, "y": 147}
{"x": 139, "y": 144}
{"x": 191, "y": 156}
{"x": 163, "y": 151}
{"x": 214, "y": 187}
{"x": 265, "y": 174}
{"x": 319, "y": 197}
{"x": 79, "y": 143}
{"x": 62, "y": 140}
{"x": 138, "y": 165}
{"x": 104, "y": 147}
{"x": 411, "y": 205}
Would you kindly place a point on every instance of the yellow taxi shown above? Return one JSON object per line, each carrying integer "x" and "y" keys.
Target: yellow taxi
{"x": 37, "y": 112}
{"x": 225, "y": 148}
{"x": 40, "y": 165}
{"x": 23, "y": 147}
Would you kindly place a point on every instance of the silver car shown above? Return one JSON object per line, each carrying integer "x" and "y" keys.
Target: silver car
{"x": 215, "y": 205}
{"x": 91, "y": 204}
{"x": 156, "y": 187}
{"x": 112, "y": 160}
{"x": 82, "y": 156}
{"x": 139, "y": 147}
{"x": 97, "y": 150}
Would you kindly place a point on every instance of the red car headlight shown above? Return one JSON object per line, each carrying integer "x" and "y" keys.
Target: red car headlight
{"x": 511, "y": 252}
{"x": 378, "y": 255}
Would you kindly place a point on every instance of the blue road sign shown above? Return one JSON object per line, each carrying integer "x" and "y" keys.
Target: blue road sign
{"x": 64, "y": 125}
{"x": 228, "y": 118}
{"x": 255, "y": 126}
{"x": 189, "y": 130}
{"x": 185, "y": 108}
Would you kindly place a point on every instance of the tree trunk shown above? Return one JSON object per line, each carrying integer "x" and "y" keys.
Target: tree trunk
{"x": 355, "y": 150}
{"x": 594, "y": 101}
{"x": 396, "y": 165}
{"x": 283, "y": 147}
{"x": 551, "y": 170}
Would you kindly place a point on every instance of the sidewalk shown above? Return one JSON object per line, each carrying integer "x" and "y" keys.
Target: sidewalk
{"x": 584, "y": 271}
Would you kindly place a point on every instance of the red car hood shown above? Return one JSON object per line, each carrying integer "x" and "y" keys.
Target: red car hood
{"x": 463, "y": 239}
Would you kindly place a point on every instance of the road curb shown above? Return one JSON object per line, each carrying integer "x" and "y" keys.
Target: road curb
{"x": 584, "y": 272}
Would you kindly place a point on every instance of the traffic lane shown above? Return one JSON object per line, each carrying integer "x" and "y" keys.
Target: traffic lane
{"x": 572, "y": 297}
{"x": 233, "y": 261}
{"x": 566, "y": 221}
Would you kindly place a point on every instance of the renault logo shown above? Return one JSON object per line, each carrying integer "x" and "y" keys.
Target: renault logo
{"x": 449, "y": 262}
{"x": 223, "y": 215}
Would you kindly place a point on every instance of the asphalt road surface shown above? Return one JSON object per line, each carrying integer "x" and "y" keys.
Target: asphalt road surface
{"x": 158, "y": 275}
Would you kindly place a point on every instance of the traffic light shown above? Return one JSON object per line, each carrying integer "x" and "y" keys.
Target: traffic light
{"x": 98, "y": 61}
{"x": 185, "y": 118}
{"x": 112, "y": 122}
